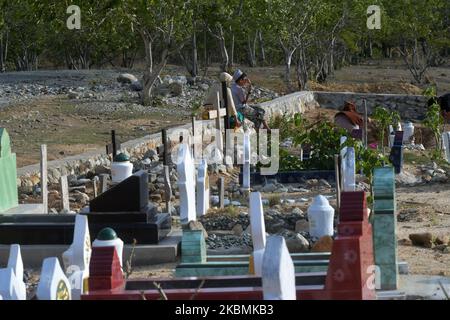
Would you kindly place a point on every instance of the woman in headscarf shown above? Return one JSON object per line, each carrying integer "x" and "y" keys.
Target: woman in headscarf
{"x": 349, "y": 118}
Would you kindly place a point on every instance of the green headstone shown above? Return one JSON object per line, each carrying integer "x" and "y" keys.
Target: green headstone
{"x": 193, "y": 247}
{"x": 385, "y": 227}
{"x": 8, "y": 174}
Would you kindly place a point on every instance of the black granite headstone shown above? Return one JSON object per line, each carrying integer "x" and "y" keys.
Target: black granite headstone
{"x": 396, "y": 155}
{"x": 131, "y": 195}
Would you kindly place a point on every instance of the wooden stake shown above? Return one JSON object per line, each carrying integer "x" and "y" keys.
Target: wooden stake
{"x": 168, "y": 189}
{"x": 95, "y": 186}
{"x": 166, "y": 147}
{"x": 103, "y": 182}
{"x": 64, "y": 185}
{"x": 366, "y": 129}
{"x": 44, "y": 178}
{"x": 221, "y": 187}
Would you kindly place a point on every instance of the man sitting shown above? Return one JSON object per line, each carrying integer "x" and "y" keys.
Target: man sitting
{"x": 241, "y": 90}
{"x": 211, "y": 97}
{"x": 348, "y": 118}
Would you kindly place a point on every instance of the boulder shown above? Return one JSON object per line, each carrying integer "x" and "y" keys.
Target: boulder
{"x": 127, "y": 78}
{"x": 237, "y": 230}
{"x": 324, "y": 244}
{"x": 197, "y": 225}
{"x": 297, "y": 244}
{"x": 301, "y": 225}
{"x": 422, "y": 239}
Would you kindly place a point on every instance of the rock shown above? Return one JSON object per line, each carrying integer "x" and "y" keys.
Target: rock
{"x": 156, "y": 197}
{"x": 81, "y": 197}
{"x": 289, "y": 201}
{"x": 235, "y": 203}
{"x": 127, "y": 78}
{"x": 73, "y": 95}
{"x": 136, "y": 86}
{"x": 441, "y": 247}
{"x": 422, "y": 239}
{"x": 324, "y": 183}
{"x": 269, "y": 188}
{"x": 297, "y": 244}
{"x": 442, "y": 239}
{"x": 204, "y": 87}
{"x": 324, "y": 244}
{"x": 197, "y": 225}
{"x": 214, "y": 200}
{"x": 297, "y": 211}
{"x": 301, "y": 225}
{"x": 439, "y": 177}
{"x": 405, "y": 242}
{"x": 407, "y": 179}
{"x": 102, "y": 170}
{"x": 176, "y": 88}
{"x": 237, "y": 230}
{"x": 312, "y": 182}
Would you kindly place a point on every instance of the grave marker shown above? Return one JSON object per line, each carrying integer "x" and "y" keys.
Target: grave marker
{"x": 221, "y": 187}
{"x": 11, "y": 287}
{"x": 202, "y": 189}
{"x": 107, "y": 237}
{"x": 44, "y": 178}
{"x": 186, "y": 184}
{"x": 396, "y": 155}
{"x": 8, "y": 174}
{"x": 349, "y": 170}
{"x": 105, "y": 272}
{"x": 446, "y": 143}
{"x": 167, "y": 189}
{"x": 79, "y": 253}
{"x": 104, "y": 182}
{"x": 247, "y": 162}
{"x": 278, "y": 273}
{"x": 220, "y": 113}
{"x": 95, "y": 186}
{"x": 385, "y": 227}
{"x": 113, "y": 146}
{"x": 53, "y": 284}
{"x": 258, "y": 230}
{"x": 65, "y": 194}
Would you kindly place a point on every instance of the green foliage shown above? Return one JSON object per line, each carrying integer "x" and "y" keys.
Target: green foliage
{"x": 435, "y": 122}
{"x": 383, "y": 118}
{"x": 324, "y": 140}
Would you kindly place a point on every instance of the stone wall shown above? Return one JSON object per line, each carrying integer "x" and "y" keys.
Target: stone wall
{"x": 410, "y": 107}
{"x": 89, "y": 162}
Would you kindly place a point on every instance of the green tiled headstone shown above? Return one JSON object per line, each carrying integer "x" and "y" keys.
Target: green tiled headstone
{"x": 8, "y": 174}
{"x": 385, "y": 227}
{"x": 193, "y": 247}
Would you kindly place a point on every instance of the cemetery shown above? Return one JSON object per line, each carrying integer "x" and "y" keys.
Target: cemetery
{"x": 224, "y": 151}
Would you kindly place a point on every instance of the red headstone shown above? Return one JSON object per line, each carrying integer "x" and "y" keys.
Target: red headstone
{"x": 105, "y": 272}
{"x": 350, "y": 273}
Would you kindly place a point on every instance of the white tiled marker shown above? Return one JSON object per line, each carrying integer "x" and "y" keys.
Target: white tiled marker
{"x": 349, "y": 170}
{"x": 202, "y": 189}
{"x": 79, "y": 252}
{"x": 76, "y": 258}
{"x": 186, "y": 184}
{"x": 12, "y": 286}
{"x": 258, "y": 228}
{"x": 247, "y": 160}
{"x": 53, "y": 284}
{"x": 278, "y": 273}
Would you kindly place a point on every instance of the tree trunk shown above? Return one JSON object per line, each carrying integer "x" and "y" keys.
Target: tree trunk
{"x": 194, "y": 72}
{"x": 251, "y": 52}
{"x": 287, "y": 73}
{"x": 261, "y": 47}
{"x": 224, "y": 53}
{"x": 232, "y": 51}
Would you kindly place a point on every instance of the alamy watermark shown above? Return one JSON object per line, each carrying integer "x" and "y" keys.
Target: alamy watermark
{"x": 374, "y": 17}
{"x": 74, "y": 21}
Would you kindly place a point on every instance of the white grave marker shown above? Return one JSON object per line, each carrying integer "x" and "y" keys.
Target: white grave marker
{"x": 12, "y": 286}
{"x": 446, "y": 145}
{"x": 258, "y": 230}
{"x": 278, "y": 272}
{"x": 53, "y": 284}
{"x": 247, "y": 160}
{"x": 202, "y": 189}
{"x": 76, "y": 258}
{"x": 349, "y": 170}
{"x": 186, "y": 184}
